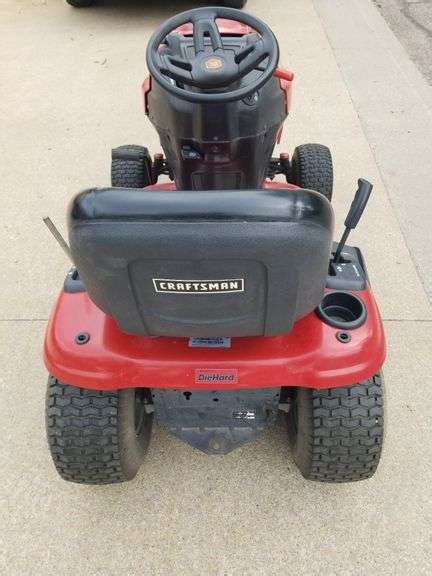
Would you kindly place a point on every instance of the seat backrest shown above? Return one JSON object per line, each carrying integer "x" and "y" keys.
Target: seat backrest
{"x": 203, "y": 264}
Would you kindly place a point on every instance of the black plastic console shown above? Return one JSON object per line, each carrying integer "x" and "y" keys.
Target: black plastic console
{"x": 350, "y": 273}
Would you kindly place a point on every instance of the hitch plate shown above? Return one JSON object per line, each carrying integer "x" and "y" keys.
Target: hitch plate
{"x": 216, "y": 421}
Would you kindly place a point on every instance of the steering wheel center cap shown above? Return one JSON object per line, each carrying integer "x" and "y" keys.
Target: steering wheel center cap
{"x": 213, "y": 63}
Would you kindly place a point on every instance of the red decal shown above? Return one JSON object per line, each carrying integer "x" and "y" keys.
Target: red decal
{"x": 218, "y": 376}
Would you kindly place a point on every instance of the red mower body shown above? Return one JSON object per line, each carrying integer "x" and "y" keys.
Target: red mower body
{"x": 309, "y": 356}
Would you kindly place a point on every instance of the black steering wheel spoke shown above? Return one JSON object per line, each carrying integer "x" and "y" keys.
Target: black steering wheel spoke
{"x": 176, "y": 68}
{"x": 251, "y": 57}
{"x": 181, "y": 63}
{"x": 244, "y": 53}
{"x": 206, "y": 27}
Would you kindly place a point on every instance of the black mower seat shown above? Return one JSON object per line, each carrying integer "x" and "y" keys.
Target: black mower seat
{"x": 202, "y": 263}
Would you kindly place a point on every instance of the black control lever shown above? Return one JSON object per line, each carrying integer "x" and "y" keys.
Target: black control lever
{"x": 358, "y": 205}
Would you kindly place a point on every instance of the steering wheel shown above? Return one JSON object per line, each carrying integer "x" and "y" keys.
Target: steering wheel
{"x": 217, "y": 69}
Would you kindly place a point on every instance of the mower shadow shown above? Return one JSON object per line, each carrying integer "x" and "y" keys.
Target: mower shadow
{"x": 267, "y": 459}
{"x": 180, "y": 490}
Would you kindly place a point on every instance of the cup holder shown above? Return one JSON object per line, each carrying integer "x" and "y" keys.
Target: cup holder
{"x": 342, "y": 310}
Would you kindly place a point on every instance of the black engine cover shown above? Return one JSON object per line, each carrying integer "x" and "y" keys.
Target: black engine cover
{"x": 218, "y": 146}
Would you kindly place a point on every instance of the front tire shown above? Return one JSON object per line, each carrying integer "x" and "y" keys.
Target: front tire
{"x": 97, "y": 437}
{"x": 312, "y": 168}
{"x": 131, "y": 167}
{"x": 336, "y": 434}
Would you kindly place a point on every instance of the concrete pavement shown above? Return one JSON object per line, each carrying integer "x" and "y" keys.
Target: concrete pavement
{"x": 394, "y": 105}
{"x": 411, "y": 21}
{"x": 72, "y": 93}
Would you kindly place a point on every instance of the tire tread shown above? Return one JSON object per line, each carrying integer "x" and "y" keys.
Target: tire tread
{"x": 312, "y": 168}
{"x": 128, "y": 173}
{"x": 83, "y": 434}
{"x": 346, "y": 433}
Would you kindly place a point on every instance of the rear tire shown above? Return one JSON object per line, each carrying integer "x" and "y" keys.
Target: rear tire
{"x": 96, "y": 437}
{"x": 131, "y": 167}
{"x": 312, "y": 168}
{"x": 336, "y": 434}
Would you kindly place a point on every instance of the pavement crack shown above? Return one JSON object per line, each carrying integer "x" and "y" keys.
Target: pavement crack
{"x": 406, "y": 11}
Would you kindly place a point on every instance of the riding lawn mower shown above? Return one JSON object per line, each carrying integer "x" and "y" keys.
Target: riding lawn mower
{"x": 214, "y": 300}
